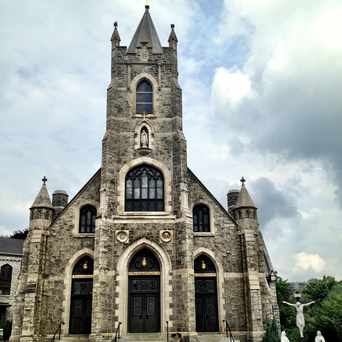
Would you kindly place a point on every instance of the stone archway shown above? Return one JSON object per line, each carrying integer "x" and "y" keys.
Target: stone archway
{"x": 122, "y": 287}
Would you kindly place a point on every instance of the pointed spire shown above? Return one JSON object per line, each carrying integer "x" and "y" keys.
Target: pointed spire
{"x": 115, "y": 36}
{"x": 43, "y": 198}
{"x": 146, "y": 34}
{"x": 173, "y": 38}
{"x": 244, "y": 199}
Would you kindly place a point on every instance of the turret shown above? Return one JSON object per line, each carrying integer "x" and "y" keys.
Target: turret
{"x": 232, "y": 198}
{"x": 59, "y": 201}
{"x": 244, "y": 209}
{"x": 41, "y": 208}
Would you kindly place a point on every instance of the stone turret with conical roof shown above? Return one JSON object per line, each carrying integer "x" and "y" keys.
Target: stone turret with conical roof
{"x": 245, "y": 211}
{"x": 146, "y": 35}
{"x": 42, "y": 208}
{"x": 31, "y": 275}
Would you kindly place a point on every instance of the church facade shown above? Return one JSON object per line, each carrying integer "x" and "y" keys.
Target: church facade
{"x": 144, "y": 248}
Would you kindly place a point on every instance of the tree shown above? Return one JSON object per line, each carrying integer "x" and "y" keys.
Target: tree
{"x": 318, "y": 289}
{"x": 20, "y": 234}
{"x": 327, "y": 316}
{"x": 271, "y": 334}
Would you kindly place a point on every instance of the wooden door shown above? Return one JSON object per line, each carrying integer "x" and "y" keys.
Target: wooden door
{"x": 144, "y": 304}
{"x": 206, "y": 304}
{"x": 81, "y": 305}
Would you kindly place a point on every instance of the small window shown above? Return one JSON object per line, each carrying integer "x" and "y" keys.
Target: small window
{"x": 5, "y": 279}
{"x": 144, "y": 189}
{"x": 201, "y": 218}
{"x": 144, "y": 98}
{"x": 87, "y": 219}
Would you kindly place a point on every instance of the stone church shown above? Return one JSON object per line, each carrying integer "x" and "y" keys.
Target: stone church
{"x": 144, "y": 250}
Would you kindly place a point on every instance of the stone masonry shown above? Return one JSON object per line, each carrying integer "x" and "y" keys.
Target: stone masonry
{"x": 245, "y": 282}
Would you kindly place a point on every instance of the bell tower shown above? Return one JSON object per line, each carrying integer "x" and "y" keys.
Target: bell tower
{"x": 144, "y": 115}
{"x": 144, "y": 191}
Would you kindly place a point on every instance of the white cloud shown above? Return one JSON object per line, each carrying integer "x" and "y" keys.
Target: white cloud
{"x": 230, "y": 87}
{"x": 309, "y": 262}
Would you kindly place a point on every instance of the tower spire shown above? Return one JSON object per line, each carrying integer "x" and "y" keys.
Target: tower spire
{"x": 146, "y": 35}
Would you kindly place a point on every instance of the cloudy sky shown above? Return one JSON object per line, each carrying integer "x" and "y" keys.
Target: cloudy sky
{"x": 261, "y": 83}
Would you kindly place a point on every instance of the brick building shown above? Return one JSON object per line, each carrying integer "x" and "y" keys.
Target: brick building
{"x": 144, "y": 242}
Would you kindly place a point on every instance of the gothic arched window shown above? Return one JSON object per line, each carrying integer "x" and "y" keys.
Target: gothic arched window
{"x": 5, "y": 279}
{"x": 87, "y": 219}
{"x": 144, "y": 97}
{"x": 144, "y": 189}
{"x": 201, "y": 218}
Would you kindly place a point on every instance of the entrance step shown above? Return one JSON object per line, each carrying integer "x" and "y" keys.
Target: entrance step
{"x": 215, "y": 338}
{"x": 80, "y": 338}
{"x": 143, "y": 338}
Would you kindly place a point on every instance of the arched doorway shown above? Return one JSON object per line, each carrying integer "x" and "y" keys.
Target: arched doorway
{"x": 144, "y": 293}
{"x": 206, "y": 295}
{"x": 81, "y": 296}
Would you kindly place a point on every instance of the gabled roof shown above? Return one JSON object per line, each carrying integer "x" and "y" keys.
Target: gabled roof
{"x": 146, "y": 34}
{"x": 43, "y": 198}
{"x": 97, "y": 174}
{"x": 10, "y": 246}
{"x": 191, "y": 174}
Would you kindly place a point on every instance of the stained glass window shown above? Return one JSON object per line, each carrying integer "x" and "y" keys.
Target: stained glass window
{"x": 144, "y": 189}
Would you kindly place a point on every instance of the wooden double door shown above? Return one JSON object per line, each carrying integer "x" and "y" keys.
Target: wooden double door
{"x": 144, "y": 304}
{"x": 206, "y": 304}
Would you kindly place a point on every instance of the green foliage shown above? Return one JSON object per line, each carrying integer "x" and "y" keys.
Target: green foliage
{"x": 271, "y": 334}
{"x": 318, "y": 289}
{"x": 325, "y": 315}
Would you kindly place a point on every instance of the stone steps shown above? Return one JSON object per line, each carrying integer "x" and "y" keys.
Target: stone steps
{"x": 143, "y": 338}
{"x": 162, "y": 338}
{"x": 213, "y": 338}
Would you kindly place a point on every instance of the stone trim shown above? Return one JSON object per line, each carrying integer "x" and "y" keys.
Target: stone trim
{"x": 77, "y": 208}
{"x": 220, "y": 283}
{"x": 167, "y": 187}
{"x": 67, "y": 286}
{"x": 165, "y": 283}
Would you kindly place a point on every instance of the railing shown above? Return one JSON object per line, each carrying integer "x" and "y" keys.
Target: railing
{"x": 167, "y": 331}
{"x": 117, "y": 333}
{"x": 57, "y": 331}
{"x": 229, "y": 334}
